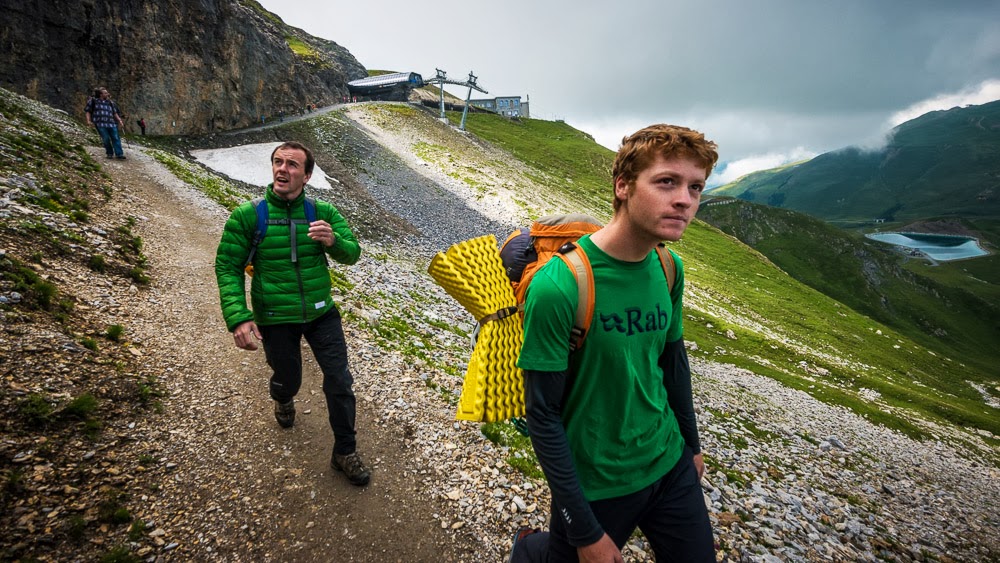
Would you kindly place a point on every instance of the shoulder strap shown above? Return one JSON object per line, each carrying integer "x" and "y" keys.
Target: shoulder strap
{"x": 579, "y": 264}
{"x": 260, "y": 208}
{"x": 310, "y": 208}
{"x": 669, "y": 267}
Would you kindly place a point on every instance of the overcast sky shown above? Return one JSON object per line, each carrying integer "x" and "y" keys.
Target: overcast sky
{"x": 770, "y": 81}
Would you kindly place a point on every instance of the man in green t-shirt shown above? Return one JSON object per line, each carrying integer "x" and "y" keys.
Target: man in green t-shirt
{"x": 613, "y": 423}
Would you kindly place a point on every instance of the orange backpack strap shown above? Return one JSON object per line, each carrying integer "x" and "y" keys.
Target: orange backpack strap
{"x": 579, "y": 264}
{"x": 576, "y": 259}
{"x": 669, "y": 267}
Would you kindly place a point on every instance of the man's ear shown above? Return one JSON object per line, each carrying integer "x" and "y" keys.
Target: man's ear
{"x": 307, "y": 176}
{"x": 621, "y": 189}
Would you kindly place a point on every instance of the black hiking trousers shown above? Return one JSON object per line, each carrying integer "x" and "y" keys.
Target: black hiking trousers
{"x": 325, "y": 335}
{"x": 671, "y": 513}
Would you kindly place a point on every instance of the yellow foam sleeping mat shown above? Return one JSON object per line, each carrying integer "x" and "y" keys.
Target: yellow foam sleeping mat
{"x": 472, "y": 273}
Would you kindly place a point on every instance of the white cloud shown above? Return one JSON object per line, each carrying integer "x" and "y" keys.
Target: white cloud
{"x": 876, "y": 139}
{"x": 986, "y": 91}
{"x": 734, "y": 170}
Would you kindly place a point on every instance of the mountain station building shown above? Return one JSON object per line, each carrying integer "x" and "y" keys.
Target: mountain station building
{"x": 509, "y": 106}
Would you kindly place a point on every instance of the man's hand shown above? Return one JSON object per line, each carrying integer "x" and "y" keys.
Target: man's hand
{"x": 699, "y": 464}
{"x": 321, "y": 231}
{"x": 244, "y": 335}
{"x": 602, "y": 551}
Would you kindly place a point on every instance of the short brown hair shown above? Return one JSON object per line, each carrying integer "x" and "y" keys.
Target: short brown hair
{"x": 310, "y": 162}
{"x": 641, "y": 148}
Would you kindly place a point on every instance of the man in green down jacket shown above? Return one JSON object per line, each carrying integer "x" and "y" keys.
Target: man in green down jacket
{"x": 290, "y": 293}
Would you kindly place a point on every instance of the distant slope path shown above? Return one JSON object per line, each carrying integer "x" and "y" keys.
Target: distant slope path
{"x": 241, "y": 487}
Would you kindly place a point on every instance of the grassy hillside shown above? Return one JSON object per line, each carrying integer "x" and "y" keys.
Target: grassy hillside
{"x": 943, "y": 163}
{"x": 566, "y": 160}
{"x": 789, "y": 331}
{"x": 944, "y": 307}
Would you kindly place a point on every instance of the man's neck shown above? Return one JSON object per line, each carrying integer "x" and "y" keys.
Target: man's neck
{"x": 286, "y": 198}
{"x": 621, "y": 243}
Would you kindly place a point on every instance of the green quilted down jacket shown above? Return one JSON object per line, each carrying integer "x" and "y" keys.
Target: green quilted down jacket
{"x": 281, "y": 290}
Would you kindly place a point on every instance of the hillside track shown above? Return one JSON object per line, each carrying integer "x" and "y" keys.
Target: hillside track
{"x": 240, "y": 488}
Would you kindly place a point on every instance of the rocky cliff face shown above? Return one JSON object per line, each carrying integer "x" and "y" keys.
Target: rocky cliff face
{"x": 186, "y": 66}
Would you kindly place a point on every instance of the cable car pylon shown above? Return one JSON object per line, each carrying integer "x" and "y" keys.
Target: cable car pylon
{"x": 442, "y": 78}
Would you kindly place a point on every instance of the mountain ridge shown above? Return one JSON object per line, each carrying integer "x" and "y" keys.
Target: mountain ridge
{"x": 941, "y": 164}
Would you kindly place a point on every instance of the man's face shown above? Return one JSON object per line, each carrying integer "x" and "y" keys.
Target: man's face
{"x": 288, "y": 167}
{"x": 105, "y": 94}
{"x": 663, "y": 199}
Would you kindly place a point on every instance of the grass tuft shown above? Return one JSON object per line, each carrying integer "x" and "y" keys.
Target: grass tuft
{"x": 114, "y": 333}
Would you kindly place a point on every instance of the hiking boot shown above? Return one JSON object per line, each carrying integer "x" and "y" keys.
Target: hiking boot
{"x": 519, "y": 535}
{"x": 120, "y": 157}
{"x": 284, "y": 413}
{"x": 352, "y": 466}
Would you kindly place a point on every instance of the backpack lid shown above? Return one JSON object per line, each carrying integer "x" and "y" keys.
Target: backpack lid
{"x": 570, "y": 226}
{"x": 516, "y": 253}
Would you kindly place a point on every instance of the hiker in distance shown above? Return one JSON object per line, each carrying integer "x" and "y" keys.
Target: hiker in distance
{"x": 103, "y": 113}
{"x": 290, "y": 294}
{"x": 613, "y": 423}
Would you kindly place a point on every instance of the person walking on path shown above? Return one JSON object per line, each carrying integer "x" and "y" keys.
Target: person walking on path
{"x": 290, "y": 294}
{"x": 613, "y": 423}
{"x": 103, "y": 113}
{"x": 142, "y": 125}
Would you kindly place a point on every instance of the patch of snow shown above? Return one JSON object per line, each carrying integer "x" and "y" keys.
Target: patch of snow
{"x": 251, "y": 164}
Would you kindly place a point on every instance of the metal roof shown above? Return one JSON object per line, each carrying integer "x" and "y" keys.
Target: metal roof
{"x": 382, "y": 80}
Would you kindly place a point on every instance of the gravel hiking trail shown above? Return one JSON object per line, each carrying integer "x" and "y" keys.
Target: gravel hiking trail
{"x": 239, "y": 487}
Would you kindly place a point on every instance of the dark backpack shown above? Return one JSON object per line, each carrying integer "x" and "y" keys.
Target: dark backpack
{"x": 263, "y": 220}
{"x": 526, "y": 250}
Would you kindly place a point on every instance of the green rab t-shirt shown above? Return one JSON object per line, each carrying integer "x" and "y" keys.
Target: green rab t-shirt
{"x": 621, "y": 430}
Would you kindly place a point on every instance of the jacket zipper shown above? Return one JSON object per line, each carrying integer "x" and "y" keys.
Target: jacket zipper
{"x": 293, "y": 233}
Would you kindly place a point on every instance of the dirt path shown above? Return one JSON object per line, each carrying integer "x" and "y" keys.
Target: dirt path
{"x": 237, "y": 486}
{"x": 286, "y": 120}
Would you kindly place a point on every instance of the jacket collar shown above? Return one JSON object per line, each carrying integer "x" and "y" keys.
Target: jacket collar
{"x": 277, "y": 201}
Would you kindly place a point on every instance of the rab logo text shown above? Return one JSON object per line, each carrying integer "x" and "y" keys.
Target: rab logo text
{"x": 635, "y": 321}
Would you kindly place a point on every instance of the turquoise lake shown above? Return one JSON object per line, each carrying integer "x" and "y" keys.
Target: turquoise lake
{"x": 938, "y": 247}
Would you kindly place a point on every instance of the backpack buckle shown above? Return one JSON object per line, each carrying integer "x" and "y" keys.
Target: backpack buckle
{"x": 499, "y": 315}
